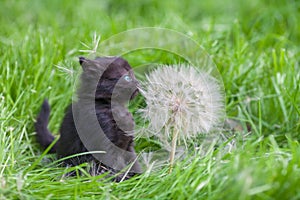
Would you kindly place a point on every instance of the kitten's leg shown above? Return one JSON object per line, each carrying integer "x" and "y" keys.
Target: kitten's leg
{"x": 136, "y": 165}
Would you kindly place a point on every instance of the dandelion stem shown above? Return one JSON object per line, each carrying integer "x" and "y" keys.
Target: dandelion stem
{"x": 173, "y": 150}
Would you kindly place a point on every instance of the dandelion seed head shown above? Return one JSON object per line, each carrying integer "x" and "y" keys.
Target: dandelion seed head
{"x": 184, "y": 98}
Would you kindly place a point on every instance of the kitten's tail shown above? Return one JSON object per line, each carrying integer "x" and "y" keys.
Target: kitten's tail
{"x": 43, "y": 135}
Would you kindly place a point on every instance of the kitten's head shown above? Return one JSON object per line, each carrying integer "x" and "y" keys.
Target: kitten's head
{"x": 108, "y": 77}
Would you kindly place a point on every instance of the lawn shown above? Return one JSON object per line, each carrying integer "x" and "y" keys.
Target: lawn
{"x": 255, "y": 45}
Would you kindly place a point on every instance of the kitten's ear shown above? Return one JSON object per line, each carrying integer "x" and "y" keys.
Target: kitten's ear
{"x": 94, "y": 66}
{"x": 81, "y": 60}
{"x": 87, "y": 65}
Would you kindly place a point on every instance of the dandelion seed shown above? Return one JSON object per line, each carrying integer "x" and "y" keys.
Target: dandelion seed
{"x": 181, "y": 102}
{"x": 95, "y": 43}
{"x": 65, "y": 69}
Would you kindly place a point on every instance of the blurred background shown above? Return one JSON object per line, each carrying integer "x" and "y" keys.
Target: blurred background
{"x": 254, "y": 43}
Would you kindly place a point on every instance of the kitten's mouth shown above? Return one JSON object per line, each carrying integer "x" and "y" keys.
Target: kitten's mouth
{"x": 134, "y": 94}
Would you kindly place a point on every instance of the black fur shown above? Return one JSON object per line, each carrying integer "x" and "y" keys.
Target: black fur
{"x": 43, "y": 136}
{"x": 69, "y": 142}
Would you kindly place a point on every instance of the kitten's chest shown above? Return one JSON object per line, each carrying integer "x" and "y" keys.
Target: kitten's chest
{"x": 123, "y": 119}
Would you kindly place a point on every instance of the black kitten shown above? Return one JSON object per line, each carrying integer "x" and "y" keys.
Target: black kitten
{"x": 107, "y": 83}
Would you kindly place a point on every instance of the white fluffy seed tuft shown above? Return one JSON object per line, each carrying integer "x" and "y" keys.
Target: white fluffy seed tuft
{"x": 183, "y": 98}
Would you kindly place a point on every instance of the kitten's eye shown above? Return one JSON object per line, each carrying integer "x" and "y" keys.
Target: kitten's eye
{"x": 127, "y": 78}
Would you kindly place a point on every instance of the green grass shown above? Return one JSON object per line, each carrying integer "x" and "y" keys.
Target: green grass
{"x": 255, "y": 44}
